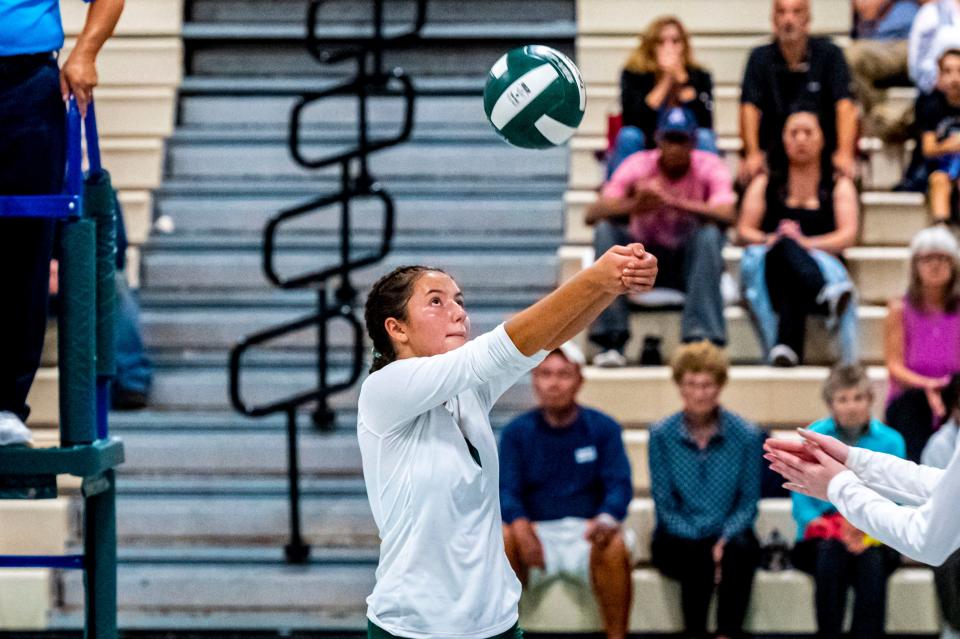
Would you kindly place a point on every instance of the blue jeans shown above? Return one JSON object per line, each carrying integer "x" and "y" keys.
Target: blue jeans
{"x": 698, "y": 266}
{"x": 134, "y": 368}
{"x": 32, "y": 160}
{"x": 631, "y": 139}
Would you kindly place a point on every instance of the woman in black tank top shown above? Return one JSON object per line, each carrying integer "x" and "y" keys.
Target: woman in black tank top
{"x": 794, "y": 214}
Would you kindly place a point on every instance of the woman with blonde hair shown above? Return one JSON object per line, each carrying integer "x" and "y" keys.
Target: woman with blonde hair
{"x": 922, "y": 338}
{"x": 662, "y": 73}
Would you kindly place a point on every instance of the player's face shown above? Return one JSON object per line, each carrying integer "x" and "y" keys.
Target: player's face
{"x": 556, "y": 382}
{"x": 850, "y": 407}
{"x": 791, "y": 20}
{"x": 700, "y": 394}
{"x": 437, "y": 321}
{"x": 935, "y": 270}
{"x": 802, "y": 138}
{"x": 948, "y": 80}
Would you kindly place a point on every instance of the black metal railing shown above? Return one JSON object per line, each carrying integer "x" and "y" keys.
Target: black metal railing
{"x": 356, "y": 182}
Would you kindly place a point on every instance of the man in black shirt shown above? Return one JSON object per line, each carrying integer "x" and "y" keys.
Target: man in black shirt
{"x": 795, "y": 69}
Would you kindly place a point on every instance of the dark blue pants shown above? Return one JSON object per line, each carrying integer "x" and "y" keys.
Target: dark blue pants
{"x": 837, "y": 569}
{"x": 32, "y": 158}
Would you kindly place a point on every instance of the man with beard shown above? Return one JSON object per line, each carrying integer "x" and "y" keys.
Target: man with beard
{"x": 564, "y": 490}
{"x": 675, "y": 200}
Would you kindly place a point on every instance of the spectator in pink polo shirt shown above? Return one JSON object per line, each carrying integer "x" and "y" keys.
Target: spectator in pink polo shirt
{"x": 677, "y": 201}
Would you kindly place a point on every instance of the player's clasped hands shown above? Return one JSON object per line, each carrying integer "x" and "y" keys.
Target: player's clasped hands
{"x": 807, "y": 465}
{"x": 627, "y": 269}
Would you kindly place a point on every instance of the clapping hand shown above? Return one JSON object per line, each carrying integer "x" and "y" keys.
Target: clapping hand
{"x": 807, "y": 466}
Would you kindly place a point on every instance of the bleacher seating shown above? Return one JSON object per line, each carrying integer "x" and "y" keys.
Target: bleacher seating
{"x": 201, "y": 500}
{"x": 782, "y": 602}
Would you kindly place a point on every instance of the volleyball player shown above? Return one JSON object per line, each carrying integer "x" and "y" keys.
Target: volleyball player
{"x": 429, "y": 454}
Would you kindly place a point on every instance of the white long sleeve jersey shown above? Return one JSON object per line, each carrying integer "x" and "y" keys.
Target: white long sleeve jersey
{"x": 911, "y": 508}
{"x": 443, "y": 572}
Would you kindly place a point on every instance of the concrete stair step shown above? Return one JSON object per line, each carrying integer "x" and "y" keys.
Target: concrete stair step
{"x": 281, "y": 85}
{"x": 342, "y": 12}
{"x": 219, "y": 330}
{"x": 601, "y": 57}
{"x": 141, "y": 62}
{"x": 139, "y": 18}
{"x": 242, "y": 520}
{"x": 204, "y": 388}
{"x": 879, "y": 272}
{"x": 453, "y": 187}
{"x": 34, "y": 527}
{"x": 743, "y": 346}
{"x": 418, "y": 218}
{"x": 205, "y": 589}
{"x": 306, "y": 300}
{"x": 292, "y": 30}
{"x": 229, "y": 111}
{"x": 242, "y": 270}
{"x": 774, "y": 514}
{"x": 241, "y": 455}
{"x": 700, "y": 16}
{"x": 135, "y": 111}
{"x": 881, "y": 171}
{"x": 450, "y": 54}
{"x": 888, "y": 219}
{"x": 485, "y": 158}
{"x": 25, "y": 599}
{"x": 765, "y": 395}
{"x": 604, "y": 99}
{"x": 259, "y": 555}
{"x": 781, "y": 603}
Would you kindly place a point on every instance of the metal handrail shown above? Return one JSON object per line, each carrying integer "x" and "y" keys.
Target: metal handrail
{"x": 356, "y": 182}
{"x": 375, "y": 44}
{"x": 293, "y": 138}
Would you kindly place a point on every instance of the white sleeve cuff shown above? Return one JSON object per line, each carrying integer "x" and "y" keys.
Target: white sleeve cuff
{"x": 516, "y": 357}
{"x": 855, "y": 460}
{"x": 839, "y": 482}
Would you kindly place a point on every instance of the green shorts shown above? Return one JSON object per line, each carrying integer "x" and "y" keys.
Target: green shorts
{"x": 376, "y": 632}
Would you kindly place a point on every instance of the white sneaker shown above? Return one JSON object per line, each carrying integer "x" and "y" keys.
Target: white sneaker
{"x": 783, "y": 356}
{"x": 13, "y": 431}
{"x": 610, "y": 359}
{"x": 837, "y": 296}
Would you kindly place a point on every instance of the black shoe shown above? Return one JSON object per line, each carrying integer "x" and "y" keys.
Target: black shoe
{"x": 123, "y": 399}
{"x": 650, "y": 353}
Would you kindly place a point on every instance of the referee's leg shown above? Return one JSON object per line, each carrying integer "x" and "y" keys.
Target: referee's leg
{"x": 31, "y": 162}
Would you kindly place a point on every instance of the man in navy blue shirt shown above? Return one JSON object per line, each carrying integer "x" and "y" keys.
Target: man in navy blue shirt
{"x": 32, "y": 157}
{"x": 564, "y": 490}
{"x": 705, "y": 467}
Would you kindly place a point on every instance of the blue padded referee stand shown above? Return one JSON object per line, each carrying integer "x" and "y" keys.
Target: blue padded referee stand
{"x": 86, "y": 215}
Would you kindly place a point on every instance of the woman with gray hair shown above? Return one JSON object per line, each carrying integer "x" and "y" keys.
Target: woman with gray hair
{"x": 922, "y": 338}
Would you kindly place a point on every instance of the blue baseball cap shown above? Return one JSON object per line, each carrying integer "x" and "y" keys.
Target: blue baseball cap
{"x": 676, "y": 120}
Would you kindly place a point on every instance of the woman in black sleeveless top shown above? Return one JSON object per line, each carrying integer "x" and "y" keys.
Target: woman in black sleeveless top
{"x": 794, "y": 214}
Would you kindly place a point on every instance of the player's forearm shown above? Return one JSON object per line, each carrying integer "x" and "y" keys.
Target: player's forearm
{"x": 561, "y": 314}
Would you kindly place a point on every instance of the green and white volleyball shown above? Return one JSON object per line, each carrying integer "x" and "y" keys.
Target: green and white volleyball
{"x": 534, "y": 97}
